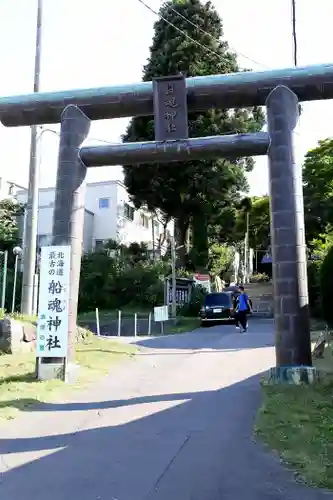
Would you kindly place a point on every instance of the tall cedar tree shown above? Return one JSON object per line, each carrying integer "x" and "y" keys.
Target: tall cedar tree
{"x": 194, "y": 192}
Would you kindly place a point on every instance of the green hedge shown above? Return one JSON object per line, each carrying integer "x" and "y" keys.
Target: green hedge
{"x": 314, "y": 288}
{"x": 192, "y": 309}
{"x": 108, "y": 283}
{"x": 326, "y": 287}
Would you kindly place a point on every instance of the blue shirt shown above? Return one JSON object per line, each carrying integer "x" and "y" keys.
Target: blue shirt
{"x": 243, "y": 302}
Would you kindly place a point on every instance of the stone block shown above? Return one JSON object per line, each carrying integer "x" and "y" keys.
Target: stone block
{"x": 16, "y": 336}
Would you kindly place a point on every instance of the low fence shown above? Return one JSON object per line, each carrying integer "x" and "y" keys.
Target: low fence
{"x": 125, "y": 325}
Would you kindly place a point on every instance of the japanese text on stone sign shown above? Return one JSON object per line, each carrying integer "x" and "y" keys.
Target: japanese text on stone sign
{"x": 53, "y": 300}
{"x": 171, "y": 104}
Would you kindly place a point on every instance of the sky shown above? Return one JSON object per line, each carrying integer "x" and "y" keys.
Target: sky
{"x": 106, "y": 42}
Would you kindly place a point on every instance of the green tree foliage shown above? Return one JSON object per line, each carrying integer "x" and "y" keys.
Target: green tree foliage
{"x": 117, "y": 276}
{"x": 326, "y": 287}
{"x": 10, "y": 211}
{"x": 192, "y": 308}
{"x": 318, "y": 251}
{"x": 195, "y": 192}
{"x": 221, "y": 258}
{"x": 132, "y": 254}
{"x": 318, "y": 189}
{"x": 259, "y": 222}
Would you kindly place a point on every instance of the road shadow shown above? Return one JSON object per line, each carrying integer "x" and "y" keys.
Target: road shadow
{"x": 200, "y": 447}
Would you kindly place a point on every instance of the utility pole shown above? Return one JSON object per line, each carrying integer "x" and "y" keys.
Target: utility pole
{"x": 173, "y": 278}
{"x": 153, "y": 236}
{"x": 293, "y": 20}
{"x": 246, "y": 248}
{"x": 30, "y": 240}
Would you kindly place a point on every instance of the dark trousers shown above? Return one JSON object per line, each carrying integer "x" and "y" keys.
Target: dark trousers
{"x": 241, "y": 319}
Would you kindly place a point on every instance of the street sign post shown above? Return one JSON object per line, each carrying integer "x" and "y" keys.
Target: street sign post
{"x": 52, "y": 327}
{"x": 161, "y": 314}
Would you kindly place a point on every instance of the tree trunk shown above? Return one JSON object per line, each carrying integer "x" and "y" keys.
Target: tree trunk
{"x": 200, "y": 242}
{"x": 181, "y": 227}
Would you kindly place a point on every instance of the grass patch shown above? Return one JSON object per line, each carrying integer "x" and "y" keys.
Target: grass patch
{"x": 19, "y": 389}
{"x": 25, "y": 318}
{"x": 297, "y": 422}
{"x": 184, "y": 325}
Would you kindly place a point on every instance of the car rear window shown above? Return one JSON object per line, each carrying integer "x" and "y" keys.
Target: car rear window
{"x": 217, "y": 299}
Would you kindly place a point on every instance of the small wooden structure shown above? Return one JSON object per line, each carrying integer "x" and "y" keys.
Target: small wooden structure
{"x": 183, "y": 290}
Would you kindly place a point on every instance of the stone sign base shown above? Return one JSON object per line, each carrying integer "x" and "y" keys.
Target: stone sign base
{"x": 58, "y": 371}
{"x": 51, "y": 371}
{"x": 293, "y": 375}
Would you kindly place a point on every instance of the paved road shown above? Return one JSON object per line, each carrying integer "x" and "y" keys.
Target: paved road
{"x": 174, "y": 423}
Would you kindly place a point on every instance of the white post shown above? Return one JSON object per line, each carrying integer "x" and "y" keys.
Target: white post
{"x": 97, "y": 322}
{"x": 174, "y": 282}
{"x": 14, "y": 284}
{"x": 135, "y": 324}
{"x": 246, "y": 249}
{"x": 119, "y": 323}
{"x": 149, "y": 324}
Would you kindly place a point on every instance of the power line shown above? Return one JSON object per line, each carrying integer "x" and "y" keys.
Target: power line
{"x": 293, "y": 7}
{"x": 207, "y": 49}
{"x": 215, "y": 38}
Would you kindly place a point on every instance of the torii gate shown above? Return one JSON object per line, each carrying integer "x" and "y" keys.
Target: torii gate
{"x": 280, "y": 90}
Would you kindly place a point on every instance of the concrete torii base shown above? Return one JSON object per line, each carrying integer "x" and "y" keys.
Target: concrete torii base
{"x": 293, "y": 375}
{"x": 57, "y": 370}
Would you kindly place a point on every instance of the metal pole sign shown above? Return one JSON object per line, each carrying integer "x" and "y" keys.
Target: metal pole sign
{"x": 52, "y": 327}
{"x": 170, "y": 108}
{"x": 161, "y": 313}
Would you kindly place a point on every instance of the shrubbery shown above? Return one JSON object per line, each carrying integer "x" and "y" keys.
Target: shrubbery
{"x": 326, "y": 287}
{"x": 320, "y": 272}
{"x": 111, "y": 282}
{"x": 192, "y": 308}
{"x": 314, "y": 288}
{"x": 259, "y": 278}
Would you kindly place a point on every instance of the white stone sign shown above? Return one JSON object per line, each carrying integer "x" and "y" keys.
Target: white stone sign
{"x": 161, "y": 313}
{"x": 52, "y": 327}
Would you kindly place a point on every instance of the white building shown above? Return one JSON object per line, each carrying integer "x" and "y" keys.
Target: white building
{"x": 109, "y": 214}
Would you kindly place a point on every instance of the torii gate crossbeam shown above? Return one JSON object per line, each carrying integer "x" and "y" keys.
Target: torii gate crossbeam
{"x": 232, "y": 90}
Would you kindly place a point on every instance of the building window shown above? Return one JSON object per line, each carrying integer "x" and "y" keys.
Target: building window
{"x": 144, "y": 221}
{"x": 128, "y": 211}
{"x": 104, "y": 202}
{"x": 99, "y": 244}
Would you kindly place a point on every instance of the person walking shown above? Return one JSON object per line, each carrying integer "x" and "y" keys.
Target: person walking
{"x": 243, "y": 307}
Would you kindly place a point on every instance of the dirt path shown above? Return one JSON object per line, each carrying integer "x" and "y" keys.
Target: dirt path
{"x": 174, "y": 423}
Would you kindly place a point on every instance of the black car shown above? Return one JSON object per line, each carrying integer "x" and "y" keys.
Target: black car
{"x": 217, "y": 307}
